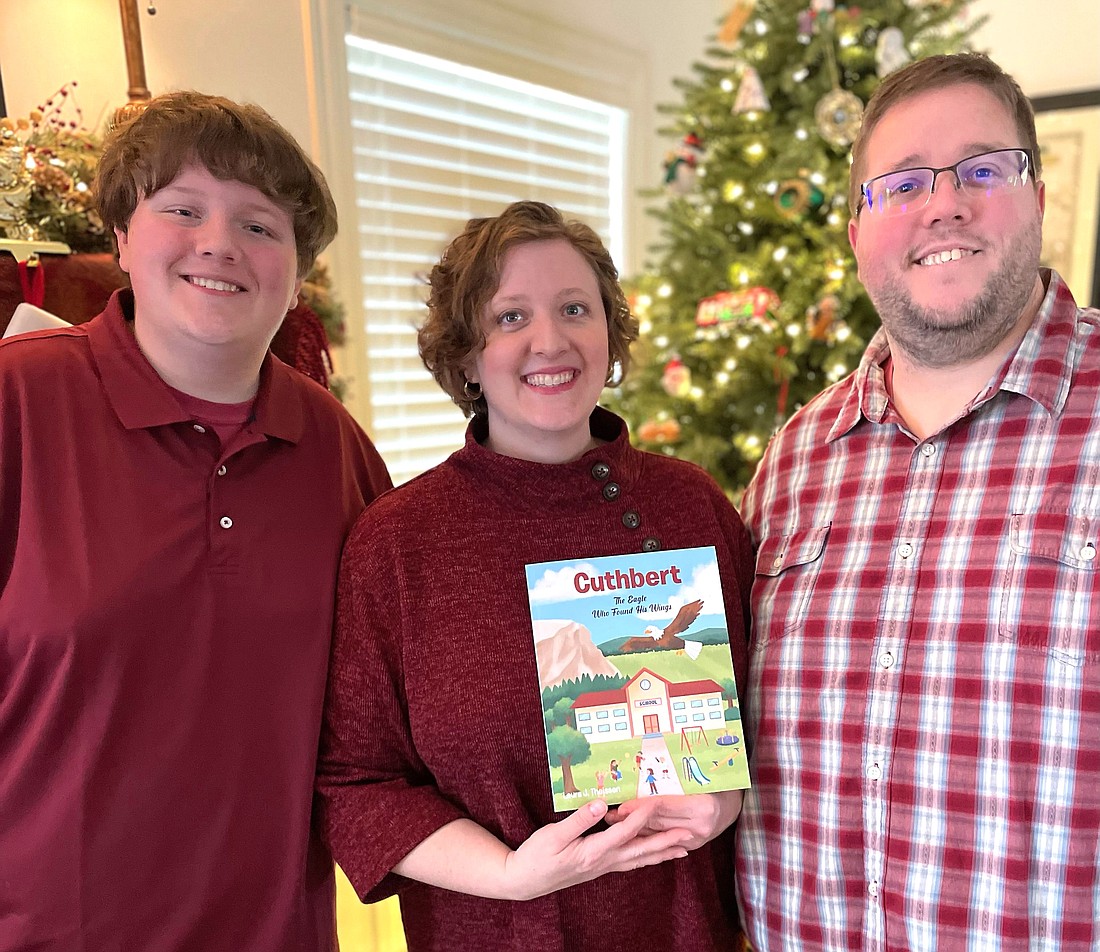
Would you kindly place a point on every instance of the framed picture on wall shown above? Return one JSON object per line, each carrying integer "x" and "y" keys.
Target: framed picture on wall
{"x": 1068, "y": 128}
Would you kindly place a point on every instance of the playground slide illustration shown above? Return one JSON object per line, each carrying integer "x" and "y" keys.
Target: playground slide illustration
{"x": 692, "y": 770}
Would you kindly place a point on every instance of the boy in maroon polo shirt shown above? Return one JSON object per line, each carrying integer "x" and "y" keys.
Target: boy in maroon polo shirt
{"x": 174, "y": 501}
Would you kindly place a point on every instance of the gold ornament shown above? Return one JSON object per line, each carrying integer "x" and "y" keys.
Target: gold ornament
{"x": 838, "y": 115}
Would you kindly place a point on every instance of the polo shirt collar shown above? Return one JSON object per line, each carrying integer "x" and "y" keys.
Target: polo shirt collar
{"x": 141, "y": 399}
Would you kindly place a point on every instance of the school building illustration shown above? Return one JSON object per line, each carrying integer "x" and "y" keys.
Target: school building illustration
{"x": 649, "y": 704}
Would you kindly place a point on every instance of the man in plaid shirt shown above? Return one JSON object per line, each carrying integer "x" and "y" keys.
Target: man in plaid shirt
{"x": 925, "y": 687}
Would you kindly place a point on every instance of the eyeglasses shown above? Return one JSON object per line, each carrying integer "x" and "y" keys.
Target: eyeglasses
{"x": 909, "y": 190}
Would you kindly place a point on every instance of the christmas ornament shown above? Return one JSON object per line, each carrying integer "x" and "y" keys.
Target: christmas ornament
{"x": 821, "y": 317}
{"x": 838, "y": 114}
{"x": 751, "y": 96}
{"x": 795, "y": 196}
{"x": 15, "y": 195}
{"x": 676, "y": 379}
{"x": 890, "y": 51}
{"x": 735, "y": 22}
{"x": 659, "y": 431}
{"x": 681, "y": 166}
{"x": 806, "y": 20}
{"x": 750, "y": 306}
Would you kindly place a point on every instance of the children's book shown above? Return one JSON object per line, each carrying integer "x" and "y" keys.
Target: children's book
{"x": 637, "y": 683}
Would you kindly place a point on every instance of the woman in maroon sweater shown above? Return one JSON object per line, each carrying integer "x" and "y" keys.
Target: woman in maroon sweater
{"x": 433, "y": 779}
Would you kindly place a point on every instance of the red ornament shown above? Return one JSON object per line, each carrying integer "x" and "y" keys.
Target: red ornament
{"x": 676, "y": 379}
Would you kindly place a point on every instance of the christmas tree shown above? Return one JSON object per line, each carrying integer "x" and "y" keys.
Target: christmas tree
{"x": 753, "y": 305}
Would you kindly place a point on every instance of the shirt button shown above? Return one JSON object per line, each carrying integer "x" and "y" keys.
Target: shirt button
{"x": 600, "y": 470}
{"x": 886, "y": 659}
{"x": 905, "y": 550}
{"x": 1088, "y": 552}
{"x": 611, "y": 492}
{"x": 225, "y": 522}
{"x": 631, "y": 519}
{"x": 872, "y": 889}
{"x": 198, "y": 427}
{"x": 777, "y": 561}
{"x": 928, "y": 449}
{"x": 651, "y": 544}
{"x": 222, "y": 470}
{"x": 874, "y": 772}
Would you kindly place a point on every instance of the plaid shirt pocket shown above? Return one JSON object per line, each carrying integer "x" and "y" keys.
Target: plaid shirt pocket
{"x": 1053, "y": 552}
{"x": 787, "y": 568}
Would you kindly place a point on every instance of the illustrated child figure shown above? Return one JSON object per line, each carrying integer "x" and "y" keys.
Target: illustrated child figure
{"x": 616, "y": 773}
{"x": 638, "y": 762}
{"x": 599, "y": 781}
{"x": 652, "y": 781}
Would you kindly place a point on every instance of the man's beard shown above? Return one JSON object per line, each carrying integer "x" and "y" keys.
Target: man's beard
{"x": 943, "y": 338}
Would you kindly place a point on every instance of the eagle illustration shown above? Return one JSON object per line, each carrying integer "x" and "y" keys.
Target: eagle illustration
{"x": 654, "y": 639}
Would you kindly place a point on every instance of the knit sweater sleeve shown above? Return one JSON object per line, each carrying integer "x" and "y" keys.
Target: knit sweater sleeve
{"x": 376, "y": 800}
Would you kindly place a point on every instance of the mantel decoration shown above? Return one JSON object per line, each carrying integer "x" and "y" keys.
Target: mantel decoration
{"x": 47, "y": 166}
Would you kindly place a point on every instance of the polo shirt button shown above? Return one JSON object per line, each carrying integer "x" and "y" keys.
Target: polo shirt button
{"x": 651, "y": 544}
{"x": 631, "y": 519}
{"x": 600, "y": 470}
{"x": 611, "y": 492}
{"x": 198, "y": 427}
{"x": 222, "y": 470}
{"x": 225, "y": 522}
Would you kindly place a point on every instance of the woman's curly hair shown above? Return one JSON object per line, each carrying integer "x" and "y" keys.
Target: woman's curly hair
{"x": 468, "y": 275}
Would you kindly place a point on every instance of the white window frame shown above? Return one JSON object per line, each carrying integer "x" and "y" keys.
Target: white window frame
{"x": 484, "y": 34}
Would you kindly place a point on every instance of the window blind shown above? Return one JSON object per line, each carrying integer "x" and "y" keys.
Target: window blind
{"x": 434, "y": 144}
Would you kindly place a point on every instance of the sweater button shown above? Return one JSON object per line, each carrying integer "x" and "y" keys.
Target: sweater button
{"x": 611, "y": 492}
{"x": 631, "y": 519}
{"x": 651, "y": 544}
{"x": 600, "y": 470}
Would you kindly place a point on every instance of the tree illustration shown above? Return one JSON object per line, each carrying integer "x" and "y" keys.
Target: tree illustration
{"x": 568, "y": 746}
{"x": 729, "y": 691}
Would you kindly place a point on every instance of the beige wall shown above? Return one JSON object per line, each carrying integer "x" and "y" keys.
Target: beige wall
{"x": 244, "y": 49}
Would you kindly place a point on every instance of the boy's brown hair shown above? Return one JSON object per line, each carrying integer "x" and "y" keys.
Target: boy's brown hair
{"x": 234, "y": 142}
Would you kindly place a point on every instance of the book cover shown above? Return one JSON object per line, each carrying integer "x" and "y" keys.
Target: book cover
{"x": 637, "y": 683}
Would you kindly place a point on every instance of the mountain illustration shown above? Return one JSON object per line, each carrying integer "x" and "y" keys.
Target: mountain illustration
{"x": 707, "y": 636}
{"x": 564, "y": 651}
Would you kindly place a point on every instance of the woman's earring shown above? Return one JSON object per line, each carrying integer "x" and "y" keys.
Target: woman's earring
{"x": 471, "y": 390}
